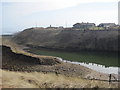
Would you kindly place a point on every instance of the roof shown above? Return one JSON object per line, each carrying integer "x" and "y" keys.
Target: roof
{"x": 84, "y": 24}
{"x": 107, "y": 23}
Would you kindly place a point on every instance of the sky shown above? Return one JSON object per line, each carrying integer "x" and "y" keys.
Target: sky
{"x": 18, "y": 15}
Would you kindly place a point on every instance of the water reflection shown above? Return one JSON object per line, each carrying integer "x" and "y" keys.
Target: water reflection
{"x": 96, "y": 67}
{"x": 93, "y": 60}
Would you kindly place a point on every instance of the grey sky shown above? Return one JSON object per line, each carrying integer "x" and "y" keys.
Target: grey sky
{"x": 17, "y": 16}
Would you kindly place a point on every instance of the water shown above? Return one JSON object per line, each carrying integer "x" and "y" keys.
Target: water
{"x": 106, "y": 62}
{"x": 96, "y": 67}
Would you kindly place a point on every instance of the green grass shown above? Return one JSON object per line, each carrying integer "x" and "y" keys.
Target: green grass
{"x": 104, "y": 58}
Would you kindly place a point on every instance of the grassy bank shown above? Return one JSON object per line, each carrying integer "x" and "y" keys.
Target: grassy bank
{"x": 72, "y": 79}
{"x": 41, "y": 80}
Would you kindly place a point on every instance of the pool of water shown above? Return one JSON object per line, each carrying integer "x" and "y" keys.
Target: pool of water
{"x": 96, "y": 67}
{"x": 106, "y": 62}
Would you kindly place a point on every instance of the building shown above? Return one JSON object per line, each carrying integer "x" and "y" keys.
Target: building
{"x": 50, "y": 27}
{"x": 60, "y": 27}
{"x": 83, "y": 25}
{"x": 107, "y": 25}
{"x": 119, "y": 13}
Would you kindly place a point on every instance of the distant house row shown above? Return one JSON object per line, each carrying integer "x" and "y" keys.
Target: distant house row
{"x": 92, "y": 25}
{"x": 107, "y": 25}
{"x": 84, "y": 26}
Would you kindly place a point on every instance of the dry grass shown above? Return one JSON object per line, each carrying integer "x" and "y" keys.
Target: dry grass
{"x": 41, "y": 80}
{"x": 0, "y": 79}
{"x": 19, "y": 48}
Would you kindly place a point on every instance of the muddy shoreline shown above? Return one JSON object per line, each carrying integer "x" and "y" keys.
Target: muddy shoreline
{"x": 95, "y": 66}
{"x": 67, "y": 69}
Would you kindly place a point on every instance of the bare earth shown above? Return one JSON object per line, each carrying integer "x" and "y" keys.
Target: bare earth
{"x": 46, "y": 76}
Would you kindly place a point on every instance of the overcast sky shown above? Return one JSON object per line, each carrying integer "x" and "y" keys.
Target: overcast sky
{"x": 20, "y": 14}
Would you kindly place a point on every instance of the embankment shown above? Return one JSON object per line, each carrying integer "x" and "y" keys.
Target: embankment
{"x": 20, "y": 62}
{"x": 100, "y": 40}
{"x": 31, "y": 80}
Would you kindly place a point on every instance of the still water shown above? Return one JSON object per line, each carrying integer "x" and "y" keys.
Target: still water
{"x": 96, "y": 67}
{"x": 106, "y": 62}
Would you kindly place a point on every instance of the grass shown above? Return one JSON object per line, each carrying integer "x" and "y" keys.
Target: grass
{"x": 0, "y": 79}
{"x": 104, "y": 58}
{"x": 41, "y": 80}
{"x": 18, "y": 48}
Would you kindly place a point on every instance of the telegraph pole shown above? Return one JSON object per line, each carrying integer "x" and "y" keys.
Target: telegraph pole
{"x": 36, "y": 25}
{"x": 66, "y": 24}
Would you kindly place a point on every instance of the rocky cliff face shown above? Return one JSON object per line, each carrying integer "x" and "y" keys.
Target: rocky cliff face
{"x": 105, "y": 40}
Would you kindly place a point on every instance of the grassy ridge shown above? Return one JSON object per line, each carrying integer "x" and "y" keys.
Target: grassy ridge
{"x": 49, "y": 80}
{"x": 100, "y": 40}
